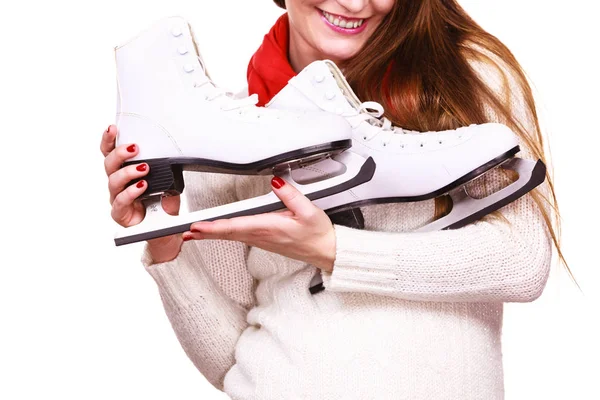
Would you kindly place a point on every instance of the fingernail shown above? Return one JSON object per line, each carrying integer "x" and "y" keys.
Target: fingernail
{"x": 186, "y": 238}
{"x": 142, "y": 167}
{"x": 108, "y": 129}
{"x": 140, "y": 184}
{"x": 131, "y": 148}
{"x": 277, "y": 182}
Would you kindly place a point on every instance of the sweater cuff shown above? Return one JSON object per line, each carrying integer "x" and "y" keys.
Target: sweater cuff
{"x": 167, "y": 274}
{"x": 146, "y": 257}
{"x": 180, "y": 276}
{"x": 354, "y": 268}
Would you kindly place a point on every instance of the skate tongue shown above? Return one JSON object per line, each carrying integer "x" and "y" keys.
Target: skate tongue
{"x": 215, "y": 89}
{"x": 343, "y": 85}
{"x": 370, "y": 110}
{"x": 198, "y": 55}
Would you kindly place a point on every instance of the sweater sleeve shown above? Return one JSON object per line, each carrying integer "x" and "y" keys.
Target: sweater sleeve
{"x": 490, "y": 260}
{"x": 505, "y": 259}
{"x": 206, "y": 290}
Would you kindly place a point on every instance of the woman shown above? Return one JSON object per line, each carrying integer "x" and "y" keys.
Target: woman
{"x": 404, "y": 315}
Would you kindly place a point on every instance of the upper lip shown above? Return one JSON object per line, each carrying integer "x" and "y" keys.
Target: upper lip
{"x": 343, "y": 16}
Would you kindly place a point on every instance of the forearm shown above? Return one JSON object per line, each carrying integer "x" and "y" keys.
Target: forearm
{"x": 490, "y": 260}
{"x": 206, "y": 322}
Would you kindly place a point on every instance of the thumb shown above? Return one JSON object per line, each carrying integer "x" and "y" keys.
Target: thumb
{"x": 293, "y": 199}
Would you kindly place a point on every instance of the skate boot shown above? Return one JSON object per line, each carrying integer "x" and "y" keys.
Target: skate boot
{"x": 181, "y": 120}
{"x": 410, "y": 165}
{"x": 168, "y": 104}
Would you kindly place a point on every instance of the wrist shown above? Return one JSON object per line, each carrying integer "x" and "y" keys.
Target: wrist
{"x": 165, "y": 249}
{"x": 327, "y": 258}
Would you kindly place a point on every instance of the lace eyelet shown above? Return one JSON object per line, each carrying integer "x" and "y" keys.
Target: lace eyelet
{"x": 319, "y": 78}
{"x": 440, "y": 142}
{"x": 421, "y": 145}
{"x": 364, "y": 138}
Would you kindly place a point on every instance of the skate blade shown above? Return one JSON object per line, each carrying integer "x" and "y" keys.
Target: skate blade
{"x": 466, "y": 209}
{"x": 158, "y": 223}
{"x": 346, "y": 201}
{"x": 293, "y": 159}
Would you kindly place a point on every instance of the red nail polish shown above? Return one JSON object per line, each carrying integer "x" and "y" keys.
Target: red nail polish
{"x": 131, "y": 148}
{"x": 277, "y": 182}
{"x": 186, "y": 238}
{"x": 140, "y": 184}
{"x": 142, "y": 167}
{"x": 108, "y": 129}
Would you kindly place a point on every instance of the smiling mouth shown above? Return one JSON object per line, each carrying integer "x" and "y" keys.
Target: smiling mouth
{"x": 343, "y": 22}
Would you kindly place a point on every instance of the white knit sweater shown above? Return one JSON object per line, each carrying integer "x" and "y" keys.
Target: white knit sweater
{"x": 404, "y": 315}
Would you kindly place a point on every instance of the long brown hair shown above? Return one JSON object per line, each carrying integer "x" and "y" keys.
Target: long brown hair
{"x": 426, "y": 50}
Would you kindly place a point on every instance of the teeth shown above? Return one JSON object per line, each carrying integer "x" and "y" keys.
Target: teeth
{"x": 342, "y": 23}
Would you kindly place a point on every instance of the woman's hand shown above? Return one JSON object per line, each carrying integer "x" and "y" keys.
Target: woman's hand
{"x": 302, "y": 232}
{"x": 126, "y": 210}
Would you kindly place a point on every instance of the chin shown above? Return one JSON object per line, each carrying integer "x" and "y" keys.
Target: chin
{"x": 339, "y": 52}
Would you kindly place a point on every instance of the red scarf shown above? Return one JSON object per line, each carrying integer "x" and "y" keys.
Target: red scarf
{"x": 269, "y": 69}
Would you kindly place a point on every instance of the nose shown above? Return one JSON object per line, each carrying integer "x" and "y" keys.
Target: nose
{"x": 354, "y": 6}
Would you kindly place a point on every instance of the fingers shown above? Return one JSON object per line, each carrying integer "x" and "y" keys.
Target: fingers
{"x": 122, "y": 205}
{"x": 107, "y": 144}
{"x": 239, "y": 228}
{"x": 116, "y": 158}
{"x": 225, "y": 229}
{"x": 293, "y": 199}
{"x": 118, "y": 180}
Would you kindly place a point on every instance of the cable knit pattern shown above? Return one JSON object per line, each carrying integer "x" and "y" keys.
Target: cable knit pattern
{"x": 404, "y": 315}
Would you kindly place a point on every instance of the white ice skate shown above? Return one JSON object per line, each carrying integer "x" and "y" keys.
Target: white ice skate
{"x": 169, "y": 106}
{"x": 410, "y": 166}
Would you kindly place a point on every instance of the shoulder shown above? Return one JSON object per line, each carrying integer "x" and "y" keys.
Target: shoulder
{"x": 503, "y": 77}
{"x": 508, "y": 86}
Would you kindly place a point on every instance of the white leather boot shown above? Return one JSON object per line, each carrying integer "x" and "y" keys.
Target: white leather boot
{"x": 410, "y": 165}
{"x": 168, "y": 105}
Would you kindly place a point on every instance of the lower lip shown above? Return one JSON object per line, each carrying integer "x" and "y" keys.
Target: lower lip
{"x": 345, "y": 31}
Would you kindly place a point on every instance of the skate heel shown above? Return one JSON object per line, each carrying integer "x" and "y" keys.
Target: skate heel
{"x": 163, "y": 178}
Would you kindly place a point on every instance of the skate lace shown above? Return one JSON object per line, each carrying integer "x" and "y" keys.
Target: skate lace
{"x": 228, "y": 101}
{"x": 372, "y": 112}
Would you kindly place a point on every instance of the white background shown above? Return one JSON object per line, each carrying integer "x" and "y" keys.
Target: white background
{"x": 81, "y": 319}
